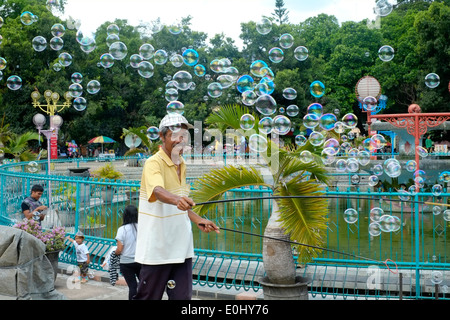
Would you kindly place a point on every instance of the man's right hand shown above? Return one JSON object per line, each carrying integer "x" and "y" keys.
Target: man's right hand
{"x": 185, "y": 203}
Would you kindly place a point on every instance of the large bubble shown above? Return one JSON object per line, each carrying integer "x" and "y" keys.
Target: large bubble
{"x": 39, "y": 43}
{"x": 281, "y": 125}
{"x": 432, "y": 80}
{"x": 266, "y": 105}
{"x": 276, "y": 55}
{"x": 182, "y": 80}
{"x": 247, "y": 121}
{"x": 386, "y": 53}
{"x": 301, "y": 53}
{"x": 244, "y": 83}
{"x": 317, "y": 89}
{"x": 146, "y": 51}
{"x": 190, "y": 57}
{"x": 265, "y": 125}
{"x": 175, "y": 107}
{"x": 258, "y": 68}
{"x": 286, "y": 40}
{"x": 264, "y": 26}
{"x": 145, "y": 69}
{"x": 327, "y": 121}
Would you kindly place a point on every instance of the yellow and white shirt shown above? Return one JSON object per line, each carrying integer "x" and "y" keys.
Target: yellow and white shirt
{"x": 164, "y": 232}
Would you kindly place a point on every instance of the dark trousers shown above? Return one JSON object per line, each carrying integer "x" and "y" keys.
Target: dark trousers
{"x": 130, "y": 272}
{"x": 153, "y": 281}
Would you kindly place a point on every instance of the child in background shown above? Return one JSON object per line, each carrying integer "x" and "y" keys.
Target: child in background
{"x": 82, "y": 252}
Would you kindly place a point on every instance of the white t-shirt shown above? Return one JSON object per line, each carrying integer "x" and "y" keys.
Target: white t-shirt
{"x": 164, "y": 232}
{"x": 127, "y": 236}
{"x": 82, "y": 251}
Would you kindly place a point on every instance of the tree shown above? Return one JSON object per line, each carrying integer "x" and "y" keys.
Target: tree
{"x": 280, "y": 13}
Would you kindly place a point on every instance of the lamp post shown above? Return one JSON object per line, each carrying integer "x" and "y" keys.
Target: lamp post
{"x": 55, "y": 123}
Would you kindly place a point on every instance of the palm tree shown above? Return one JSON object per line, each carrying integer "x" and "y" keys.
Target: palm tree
{"x": 302, "y": 219}
{"x": 17, "y": 145}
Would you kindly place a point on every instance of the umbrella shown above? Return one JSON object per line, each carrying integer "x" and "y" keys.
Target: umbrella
{"x": 102, "y": 140}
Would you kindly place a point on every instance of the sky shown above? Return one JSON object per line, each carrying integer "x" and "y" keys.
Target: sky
{"x": 211, "y": 16}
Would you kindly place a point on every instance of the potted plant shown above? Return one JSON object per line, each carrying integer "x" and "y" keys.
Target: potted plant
{"x": 303, "y": 220}
{"x": 110, "y": 173}
{"x": 53, "y": 239}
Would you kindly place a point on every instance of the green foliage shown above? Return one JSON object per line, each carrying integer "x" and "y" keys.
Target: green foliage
{"x": 107, "y": 172}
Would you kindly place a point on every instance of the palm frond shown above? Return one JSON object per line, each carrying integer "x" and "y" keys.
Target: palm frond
{"x": 303, "y": 218}
{"x": 213, "y": 185}
{"x": 229, "y": 116}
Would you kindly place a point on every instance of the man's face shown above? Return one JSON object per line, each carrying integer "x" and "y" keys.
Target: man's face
{"x": 36, "y": 194}
{"x": 174, "y": 141}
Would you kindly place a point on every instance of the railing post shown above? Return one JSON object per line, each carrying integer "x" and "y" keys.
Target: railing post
{"x": 77, "y": 205}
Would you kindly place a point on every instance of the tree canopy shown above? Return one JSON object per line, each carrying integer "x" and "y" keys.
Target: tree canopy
{"x": 339, "y": 54}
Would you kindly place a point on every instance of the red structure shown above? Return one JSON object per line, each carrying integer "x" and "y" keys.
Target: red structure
{"x": 415, "y": 122}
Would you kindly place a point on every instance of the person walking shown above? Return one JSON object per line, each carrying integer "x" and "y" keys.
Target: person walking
{"x": 126, "y": 247}
{"x": 165, "y": 242}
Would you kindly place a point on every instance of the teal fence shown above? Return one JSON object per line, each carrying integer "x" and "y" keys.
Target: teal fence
{"x": 351, "y": 268}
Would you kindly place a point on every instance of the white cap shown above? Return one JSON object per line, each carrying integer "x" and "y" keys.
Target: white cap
{"x": 173, "y": 119}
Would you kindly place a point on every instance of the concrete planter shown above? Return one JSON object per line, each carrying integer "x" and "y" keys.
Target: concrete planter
{"x": 295, "y": 291}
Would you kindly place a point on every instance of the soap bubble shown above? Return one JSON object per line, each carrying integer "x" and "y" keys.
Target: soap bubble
{"x": 327, "y": 121}
{"x": 286, "y": 40}
{"x": 352, "y": 165}
{"x": 392, "y": 167}
{"x": 135, "y": 59}
{"x": 422, "y": 151}
{"x": 317, "y": 89}
{"x": 265, "y": 125}
{"x": 276, "y": 55}
{"x": 106, "y": 60}
{"x": 175, "y": 107}
{"x": 225, "y": 80}
{"x": 437, "y": 277}
{"x": 171, "y": 94}
{"x": 118, "y": 50}
{"x": 372, "y": 180}
{"x": 160, "y": 57}
{"x": 375, "y": 214}
{"x": 248, "y": 97}
{"x": 315, "y": 108}
{"x": 389, "y": 223}
{"x": 14, "y": 82}
{"x": 190, "y": 57}
{"x": 369, "y": 103}
{"x": 350, "y": 120}
{"x": 183, "y": 80}
{"x": 79, "y": 103}
{"x": 65, "y": 59}
{"x": 386, "y": 53}
{"x": 214, "y": 89}
{"x": 244, "y": 83}
{"x": 281, "y": 125}
{"x": 436, "y": 210}
{"x": 171, "y": 284}
{"x": 378, "y": 141}
{"x": 56, "y": 43}
{"x": 374, "y": 229}
{"x": 341, "y": 165}
{"x": 145, "y": 69}
{"x": 113, "y": 29}
{"x": 58, "y": 30}
{"x": 27, "y": 18}
{"x": 411, "y": 165}
{"x": 292, "y": 110}
{"x": 350, "y": 215}
{"x": 289, "y": 93}
{"x": 32, "y": 167}
{"x": 2, "y": 63}
{"x": 257, "y": 143}
{"x": 264, "y": 26}
{"x": 377, "y": 169}
{"x": 153, "y": 133}
{"x": 446, "y": 215}
{"x": 146, "y": 51}
{"x": 383, "y": 8}
{"x": 75, "y": 90}
{"x": 310, "y": 120}
{"x": 300, "y": 140}
{"x": 266, "y": 105}
{"x": 39, "y": 43}
{"x": 363, "y": 158}
{"x": 111, "y": 39}
{"x": 247, "y": 121}
{"x": 301, "y": 53}
{"x": 258, "y": 68}
{"x": 437, "y": 189}
{"x": 316, "y": 138}
{"x": 199, "y": 70}
{"x": 432, "y": 80}
{"x": 306, "y": 156}
{"x": 93, "y": 87}
{"x": 332, "y": 146}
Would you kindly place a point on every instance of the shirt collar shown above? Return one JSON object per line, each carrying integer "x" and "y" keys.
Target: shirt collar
{"x": 163, "y": 155}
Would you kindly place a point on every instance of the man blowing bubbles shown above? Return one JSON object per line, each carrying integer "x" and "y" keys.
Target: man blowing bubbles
{"x": 165, "y": 242}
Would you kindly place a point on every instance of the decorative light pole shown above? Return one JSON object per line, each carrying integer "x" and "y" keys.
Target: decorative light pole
{"x": 51, "y": 107}
{"x": 55, "y": 123}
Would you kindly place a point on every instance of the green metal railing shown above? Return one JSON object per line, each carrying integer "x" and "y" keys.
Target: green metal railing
{"x": 234, "y": 260}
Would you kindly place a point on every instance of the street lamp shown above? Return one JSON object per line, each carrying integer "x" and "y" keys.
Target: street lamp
{"x": 55, "y": 123}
